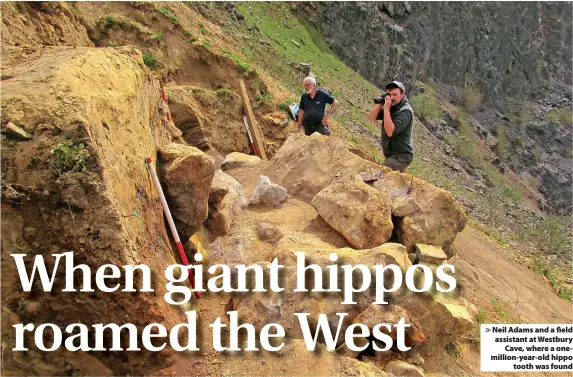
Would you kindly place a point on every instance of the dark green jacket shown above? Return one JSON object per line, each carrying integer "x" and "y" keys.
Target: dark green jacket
{"x": 399, "y": 145}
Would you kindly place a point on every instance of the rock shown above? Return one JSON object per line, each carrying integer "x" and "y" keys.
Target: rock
{"x": 442, "y": 318}
{"x": 14, "y": 132}
{"x": 430, "y": 254}
{"x": 295, "y": 43}
{"x": 402, "y": 368}
{"x": 236, "y": 160}
{"x": 255, "y": 310}
{"x": 371, "y": 175}
{"x": 216, "y": 155}
{"x": 437, "y": 222}
{"x": 223, "y": 212}
{"x": 269, "y": 233}
{"x": 305, "y": 68}
{"x": 187, "y": 174}
{"x": 221, "y": 185}
{"x": 376, "y": 314}
{"x": 304, "y": 242}
{"x": 268, "y": 193}
{"x": 395, "y": 184}
{"x": 276, "y": 118}
{"x": 415, "y": 358}
{"x": 404, "y": 206}
{"x": 305, "y": 165}
{"x": 173, "y": 130}
{"x": 359, "y": 212}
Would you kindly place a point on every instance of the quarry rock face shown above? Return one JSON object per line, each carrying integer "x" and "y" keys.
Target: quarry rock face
{"x": 356, "y": 210}
{"x": 91, "y": 112}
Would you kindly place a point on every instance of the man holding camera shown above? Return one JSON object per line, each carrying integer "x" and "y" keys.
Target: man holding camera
{"x": 311, "y": 109}
{"x": 397, "y": 116}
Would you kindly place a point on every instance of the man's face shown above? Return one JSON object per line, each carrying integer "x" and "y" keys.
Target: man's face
{"x": 308, "y": 87}
{"x": 396, "y": 95}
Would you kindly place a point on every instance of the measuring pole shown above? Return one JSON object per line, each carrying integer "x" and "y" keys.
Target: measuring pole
{"x": 182, "y": 255}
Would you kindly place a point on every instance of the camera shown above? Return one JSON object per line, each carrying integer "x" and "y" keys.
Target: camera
{"x": 380, "y": 98}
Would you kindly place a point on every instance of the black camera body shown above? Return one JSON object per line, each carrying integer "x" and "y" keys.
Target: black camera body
{"x": 380, "y": 99}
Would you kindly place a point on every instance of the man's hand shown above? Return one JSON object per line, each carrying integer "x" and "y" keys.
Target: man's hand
{"x": 325, "y": 120}
{"x": 387, "y": 103}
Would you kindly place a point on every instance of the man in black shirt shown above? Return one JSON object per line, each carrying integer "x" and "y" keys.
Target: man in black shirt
{"x": 397, "y": 117}
{"x": 311, "y": 109}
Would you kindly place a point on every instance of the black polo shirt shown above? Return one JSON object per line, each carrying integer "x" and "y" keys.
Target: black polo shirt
{"x": 314, "y": 107}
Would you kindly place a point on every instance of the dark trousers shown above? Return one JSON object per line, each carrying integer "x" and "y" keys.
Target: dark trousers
{"x": 395, "y": 164}
{"x": 312, "y": 127}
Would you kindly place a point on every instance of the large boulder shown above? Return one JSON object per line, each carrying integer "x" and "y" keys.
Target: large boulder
{"x": 226, "y": 199}
{"x": 305, "y": 165}
{"x": 442, "y": 317}
{"x": 187, "y": 174}
{"x": 439, "y": 218}
{"x": 362, "y": 214}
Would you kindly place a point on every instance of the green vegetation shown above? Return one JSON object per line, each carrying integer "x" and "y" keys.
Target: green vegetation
{"x": 244, "y": 67}
{"x": 206, "y": 43}
{"x": 502, "y": 147}
{"x": 560, "y": 116}
{"x": 113, "y": 44}
{"x": 224, "y": 94}
{"x": 471, "y": 98}
{"x": 283, "y": 106}
{"x": 174, "y": 19}
{"x": 550, "y": 234}
{"x": 520, "y": 118}
{"x": 150, "y": 60}
{"x": 157, "y": 36}
{"x": 163, "y": 10}
{"x": 274, "y": 50}
{"x": 427, "y": 107}
{"x": 70, "y": 156}
{"x": 481, "y": 316}
{"x": 491, "y": 233}
{"x": 465, "y": 144}
{"x": 499, "y": 310}
{"x": 550, "y": 275}
{"x": 110, "y": 22}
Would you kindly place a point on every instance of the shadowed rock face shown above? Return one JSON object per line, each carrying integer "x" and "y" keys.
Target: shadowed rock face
{"x": 504, "y": 47}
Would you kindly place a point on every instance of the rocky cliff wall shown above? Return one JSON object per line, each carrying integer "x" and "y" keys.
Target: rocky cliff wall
{"x": 503, "y": 48}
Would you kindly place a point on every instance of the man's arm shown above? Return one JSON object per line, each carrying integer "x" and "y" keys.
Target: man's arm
{"x": 300, "y": 114}
{"x": 388, "y": 122}
{"x": 373, "y": 115}
{"x": 331, "y": 110}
